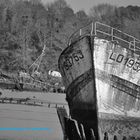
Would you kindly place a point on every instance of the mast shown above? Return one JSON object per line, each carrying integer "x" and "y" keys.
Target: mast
{"x": 35, "y": 66}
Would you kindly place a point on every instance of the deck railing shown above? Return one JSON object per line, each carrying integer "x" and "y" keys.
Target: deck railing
{"x": 112, "y": 34}
{"x": 88, "y": 29}
{"x": 109, "y": 33}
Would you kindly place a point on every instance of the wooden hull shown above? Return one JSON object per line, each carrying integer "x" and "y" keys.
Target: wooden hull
{"x": 106, "y": 81}
{"x": 117, "y": 71}
{"x": 76, "y": 67}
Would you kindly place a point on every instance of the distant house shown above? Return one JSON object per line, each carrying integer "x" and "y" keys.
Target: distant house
{"x": 54, "y": 73}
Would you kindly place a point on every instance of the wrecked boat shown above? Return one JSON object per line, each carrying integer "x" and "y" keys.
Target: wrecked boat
{"x": 101, "y": 73}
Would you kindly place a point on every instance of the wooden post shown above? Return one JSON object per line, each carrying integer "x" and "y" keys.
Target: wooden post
{"x": 115, "y": 137}
{"x": 81, "y": 128}
{"x": 124, "y": 138}
{"x": 105, "y": 136}
{"x": 92, "y": 135}
{"x": 61, "y": 115}
{"x": 72, "y": 130}
{"x": 2, "y": 100}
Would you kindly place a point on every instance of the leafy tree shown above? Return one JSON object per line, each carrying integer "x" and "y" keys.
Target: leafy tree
{"x": 27, "y": 25}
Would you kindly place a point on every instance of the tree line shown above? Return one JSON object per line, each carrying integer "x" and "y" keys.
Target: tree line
{"x": 27, "y": 25}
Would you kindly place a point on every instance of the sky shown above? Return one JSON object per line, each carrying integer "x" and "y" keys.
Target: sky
{"x": 85, "y": 5}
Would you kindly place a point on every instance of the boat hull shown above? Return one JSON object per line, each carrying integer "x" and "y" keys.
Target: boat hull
{"x": 106, "y": 83}
{"x": 76, "y": 67}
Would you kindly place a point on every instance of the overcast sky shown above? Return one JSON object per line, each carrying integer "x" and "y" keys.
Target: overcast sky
{"x": 87, "y": 4}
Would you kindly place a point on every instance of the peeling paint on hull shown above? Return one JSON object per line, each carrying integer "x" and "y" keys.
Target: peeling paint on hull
{"x": 117, "y": 78}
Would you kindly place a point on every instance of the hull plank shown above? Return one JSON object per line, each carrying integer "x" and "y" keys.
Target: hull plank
{"x": 75, "y": 65}
{"x": 117, "y": 74}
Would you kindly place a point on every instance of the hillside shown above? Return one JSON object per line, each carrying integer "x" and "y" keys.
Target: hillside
{"x": 26, "y": 26}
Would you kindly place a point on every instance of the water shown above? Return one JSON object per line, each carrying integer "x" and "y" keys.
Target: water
{"x": 25, "y": 116}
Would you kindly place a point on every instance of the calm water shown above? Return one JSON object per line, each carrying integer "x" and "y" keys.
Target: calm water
{"x": 23, "y": 116}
